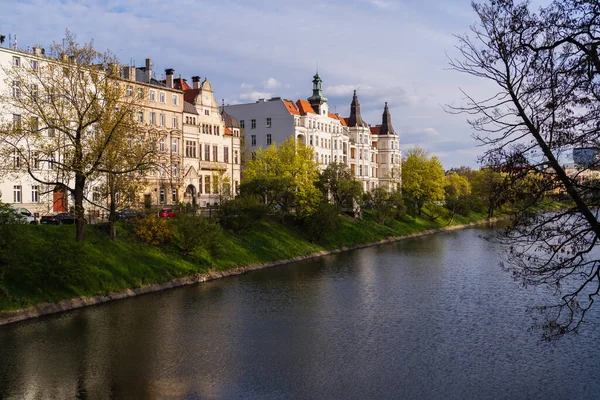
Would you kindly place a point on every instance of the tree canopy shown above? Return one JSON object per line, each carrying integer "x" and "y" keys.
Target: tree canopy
{"x": 422, "y": 179}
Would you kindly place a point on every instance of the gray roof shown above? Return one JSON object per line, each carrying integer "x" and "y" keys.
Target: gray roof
{"x": 189, "y": 108}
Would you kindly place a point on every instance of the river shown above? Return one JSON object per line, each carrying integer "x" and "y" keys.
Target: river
{"x": 426, "y": 318}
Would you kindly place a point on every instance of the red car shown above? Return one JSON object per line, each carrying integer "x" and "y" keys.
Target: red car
{"x": 166, "y": 213}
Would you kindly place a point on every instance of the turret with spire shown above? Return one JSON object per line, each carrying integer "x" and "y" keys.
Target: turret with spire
{"x": 317, "y": 98}
{"x": 355, "y": 118}
{"x": 386, "y": 123}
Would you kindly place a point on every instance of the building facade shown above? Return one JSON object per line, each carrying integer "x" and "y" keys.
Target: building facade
{"x": 334, "y": 139}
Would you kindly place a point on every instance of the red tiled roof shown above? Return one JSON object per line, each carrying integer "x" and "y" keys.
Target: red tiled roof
{"x": 181, "y": 84}
{"x": 375, "y": 130}
{"x": 190, "y": 95}
{"x": 344, "y": 121}
{"x": 304, "y": 107}
{"x": 291, "y": 107}
{"x": 228, "y": 131}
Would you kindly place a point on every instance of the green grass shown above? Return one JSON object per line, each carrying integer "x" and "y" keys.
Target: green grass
{"x": 47, "y": 266}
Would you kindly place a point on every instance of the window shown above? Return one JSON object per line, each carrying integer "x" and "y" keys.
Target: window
{"x": 16, "y": 88}
{"x": 242, "y": 124}
{"x": 35, "y": 124}
{"x": 163, "y": 196}
{"x": 152, "y": 118}
{"x": 152, "y": 95}
{"x": 35, "y": 156}
{"x": 268, "y": 139}
{"x": 217, "y": 130}
{"x": 96, "y": 196}
{"x": 162, "y": 145}
{"x": 268, "y": 122}
{"x": 16, "y": 158}
{"x": 253, "y": 123}
{"x": 253, "y": 139}
{"x": 17, "y": 194}
{"x": 360, "y": 170}
{"x": 207, "y": 184}
{"x": 175, "y": 122}
{"x": 16, "y": 61}
{"x": 129, "y": 91}
{"x": 141, "y": 117}
{"x": 141, "y": 93}
{"x": 175, "y": 146}
{"x": 175, "y": 169}
{"x": 162, "y": 120}
{"x": 17, "y": 122}
{"x": 175, "y": 99}
{"x": 35, "y": 194}
{"x": 206, "y": 152}
{"x": 163, "y": 97}
{"x": 190, "y": 148}
{"x": 235, "y": 157}
{"x": 51, "y": 132}
{"x": 174, "y": 195}
{"x": 206, "y": 112}
{"x": 226, "y": 154}
{"x": 210, "y": 128}
{"x": 34, "y": 64}
{"x": 34, "y": 91}
{"x": 311, "y": 140}
{"x": 215, "y": 153}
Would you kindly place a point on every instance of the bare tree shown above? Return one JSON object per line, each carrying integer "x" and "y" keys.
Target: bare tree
{"x": 69, "y": 116}
{"x": 546, "y": 67}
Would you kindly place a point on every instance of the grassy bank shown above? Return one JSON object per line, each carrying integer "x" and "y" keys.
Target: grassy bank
{"x": 46, "y": 266}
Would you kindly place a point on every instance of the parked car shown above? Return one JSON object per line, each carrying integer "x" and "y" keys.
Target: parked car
{"x": 24, "y": 215}
{"x": 166, "y": 213}
{"x": 128, "y": 214}
{"x": 58, "y": 219}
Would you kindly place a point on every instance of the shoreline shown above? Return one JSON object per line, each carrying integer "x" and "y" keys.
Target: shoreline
{"x": 42, "y": 309}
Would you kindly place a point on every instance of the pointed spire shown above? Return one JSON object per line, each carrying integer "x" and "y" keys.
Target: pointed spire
{"x": 355, "y": 118}
{"x": 386, "y": 122}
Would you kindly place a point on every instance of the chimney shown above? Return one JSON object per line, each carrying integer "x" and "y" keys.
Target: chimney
{"x": 148, "y": 70}
{"x": 169, "y": 80}
{"x": 196, "y": 82}
{"x": 37, "y": 51}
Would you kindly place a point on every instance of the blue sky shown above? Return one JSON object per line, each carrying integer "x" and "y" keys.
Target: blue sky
{"x": 389, "y": 50}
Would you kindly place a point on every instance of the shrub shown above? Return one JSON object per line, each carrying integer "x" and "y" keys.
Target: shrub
{"x": 198, "y": 232}
{"x": 241, "y": 213}
{"x": 153, "y": 230}
{"x": 322, "y": 221}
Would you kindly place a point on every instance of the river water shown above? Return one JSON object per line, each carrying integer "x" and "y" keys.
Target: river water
{"x": 425, "y": 318}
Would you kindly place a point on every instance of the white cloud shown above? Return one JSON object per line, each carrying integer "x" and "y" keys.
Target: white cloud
{"x": 271, "y": 83}
{"x": 346, "y": 90}
{"x": 381, "y": 3}
{"x": 246, "y": 86}
{"x": 253, "y": 96}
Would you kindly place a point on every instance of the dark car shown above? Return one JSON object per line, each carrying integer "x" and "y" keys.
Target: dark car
{"x": 128, "y": 214}
{"x": 58, "y": 219}
{"x": 166, "y": 213}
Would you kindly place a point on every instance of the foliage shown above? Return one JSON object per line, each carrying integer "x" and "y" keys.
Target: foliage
{"x": 385, "y": 204}
{"x": 153, "y": 230}
{"x": 196, "y": 232}
{"x": 456, "y": 193}
{"x": 241, "y": 212}
{"x": 340, "y": 183}
{"x": 545, "y": 67}
{"x": 422, "y": 179}
{"x": 322, "y": 222}
{"x": 285, "y": 176}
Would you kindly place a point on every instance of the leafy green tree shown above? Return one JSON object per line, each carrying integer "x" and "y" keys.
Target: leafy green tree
{"x": 492, "y": 189}
{"x": 422, "y": 178}
{"x": 284, "y": 175}
{"x": 338, "y": 182}
{"x": 456, "y": 194}
{"x": 197, "y": 232}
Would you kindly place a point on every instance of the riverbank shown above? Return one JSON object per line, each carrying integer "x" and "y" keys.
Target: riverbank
{"x": 112, "y": 270}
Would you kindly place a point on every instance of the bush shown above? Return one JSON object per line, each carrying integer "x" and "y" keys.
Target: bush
{"x": 241, "y": 213}
{"x": 153, "y": 230}
{"x": 196, "y": 232}
{"x": 322, "y": 221}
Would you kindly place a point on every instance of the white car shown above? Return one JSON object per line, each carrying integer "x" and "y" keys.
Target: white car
{"x": 24, "y": 215}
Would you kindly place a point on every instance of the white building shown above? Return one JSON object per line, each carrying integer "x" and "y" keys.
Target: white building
{"x": 350, "y": 141}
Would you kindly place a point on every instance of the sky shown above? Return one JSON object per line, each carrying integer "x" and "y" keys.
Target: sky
{"x": 394, "y": 51}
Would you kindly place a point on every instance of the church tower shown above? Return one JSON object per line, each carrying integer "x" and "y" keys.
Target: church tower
{"x": 317, "y": 101}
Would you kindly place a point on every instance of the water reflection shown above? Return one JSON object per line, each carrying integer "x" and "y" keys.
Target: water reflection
{"x": 432, "y": 317}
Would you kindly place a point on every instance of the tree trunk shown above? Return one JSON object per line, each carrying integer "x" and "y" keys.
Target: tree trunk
{"x": 79, "y": 211}
{"x": 112, "y": 216}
